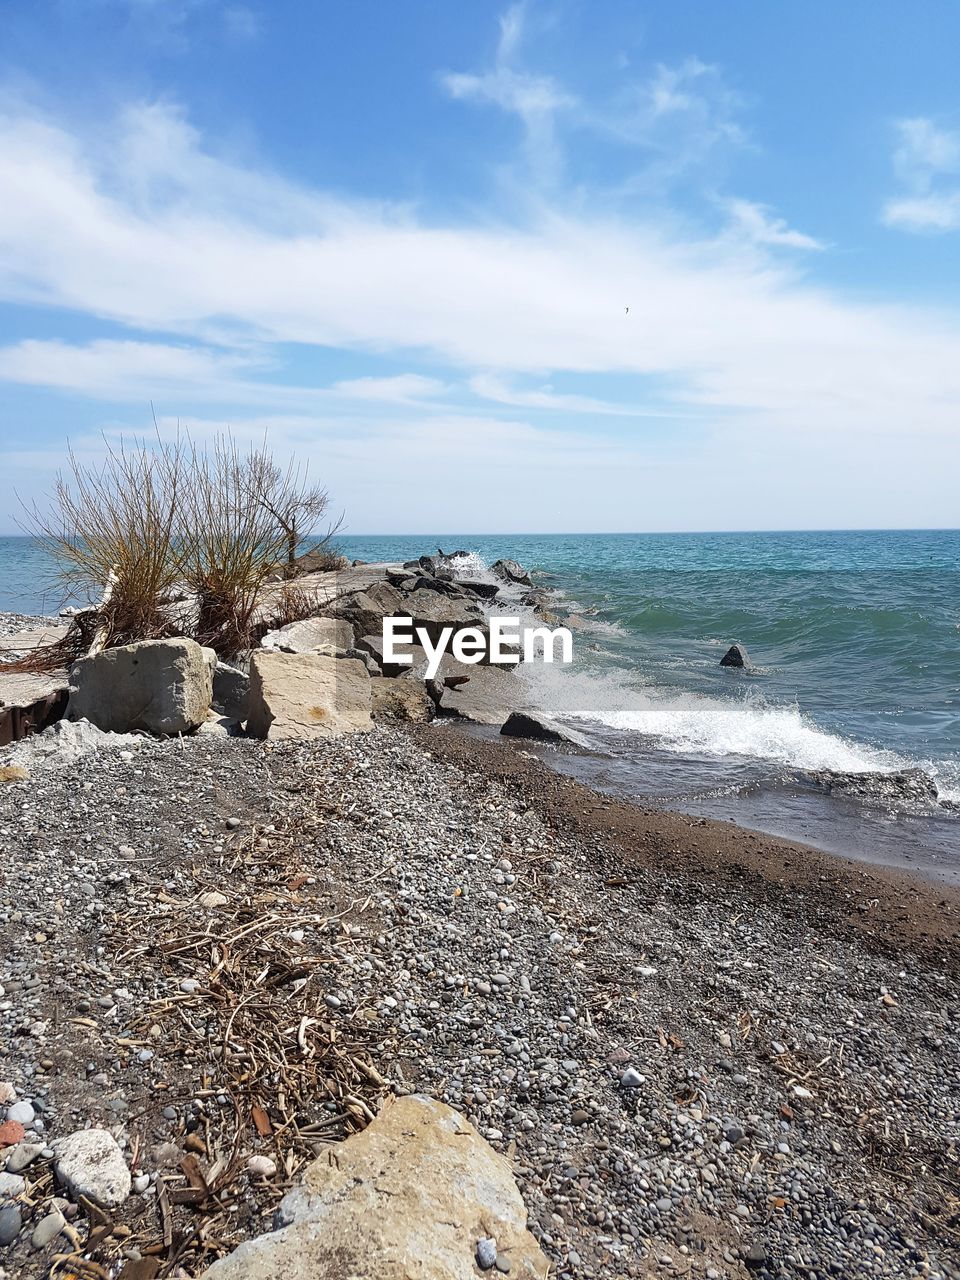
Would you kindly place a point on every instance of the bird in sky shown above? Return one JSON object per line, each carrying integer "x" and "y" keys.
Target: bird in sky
{"x": 627, "y": 312}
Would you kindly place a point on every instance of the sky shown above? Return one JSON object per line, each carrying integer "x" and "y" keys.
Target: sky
{"x": 580, "y": 265}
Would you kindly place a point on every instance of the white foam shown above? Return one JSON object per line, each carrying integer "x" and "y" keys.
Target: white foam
{"x": 696, "y": 724}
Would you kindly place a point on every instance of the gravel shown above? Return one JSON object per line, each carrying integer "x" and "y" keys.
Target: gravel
{"x": 687, "y": 1081}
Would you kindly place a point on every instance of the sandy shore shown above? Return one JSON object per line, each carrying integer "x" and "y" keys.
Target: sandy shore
{"x": 707, "y": 1052}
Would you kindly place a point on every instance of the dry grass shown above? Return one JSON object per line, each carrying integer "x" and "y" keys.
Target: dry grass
{"x": 156, "y": 520}
{"x": 119, "y": 522}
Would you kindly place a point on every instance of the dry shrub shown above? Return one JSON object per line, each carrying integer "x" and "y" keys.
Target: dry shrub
{"x": 292, "y": 604}
{"x": 119, "y": 524}
{"x": 233, "y": 543}
{"x": 153, "y": 521}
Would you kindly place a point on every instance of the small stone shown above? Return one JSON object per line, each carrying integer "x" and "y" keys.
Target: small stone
{"x": 261, "y": 1166}
{"x": 11, "y": 1186}
{"x": 91, "y": 1163}
{"x": 11, "y": 1132}
{"x": 21, "y": 1113}
{"x": 232, "y": 823}
{"x": 48, "y": 1229}
{"x": 22, "y": 1155}
{"x": 580, "y": 1116}
{"x": 8, "y": 1093}
{"x": 189, "y": 985}
{"x": 141, "y": 1183}
{"x": 632, "y": 1079}
{"x": 503, "y": 1264}
{"x": 10, "y": 1224}
{"x": 486, "y": 1253}
{"x": 211, "y": 900}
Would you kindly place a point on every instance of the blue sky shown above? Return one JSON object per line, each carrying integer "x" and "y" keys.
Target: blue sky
{"x": 548, "y": 266}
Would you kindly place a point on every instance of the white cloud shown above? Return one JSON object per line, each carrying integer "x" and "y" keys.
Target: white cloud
{"x": 404, "y": 388}
{"x": 758, "y": 224}
{"x": 490, "y": 387}
{"x": 226, "y": 264}
{"x": 120, "y": 370}
{"x": 535, "y": 99}
{"x": 927, "y": 162}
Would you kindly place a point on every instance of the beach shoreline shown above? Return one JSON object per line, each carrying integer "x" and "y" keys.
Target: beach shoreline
{"x": 496, "y": 936}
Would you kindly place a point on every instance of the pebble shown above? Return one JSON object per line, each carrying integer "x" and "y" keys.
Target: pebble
{"x": 21, "y": 1113}
{"x": 11, "y": 1185}
{"x": 11, "y": 1222}
{"x": 141, "y": 1182}
{"x": 261, "y": 1166}
{"x": 632, "y": 1079}
{"x": 48, "y": 1229}
{"x": 486, "y": 1253}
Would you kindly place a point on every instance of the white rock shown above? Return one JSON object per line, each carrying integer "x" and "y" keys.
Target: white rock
{"x": 213, "y": 899}
{"x": 410, "y": 1195}
{"x": 92, "y": 1165}
{"x": 22, "y": 1112}
{"x": 261, "y": 1166}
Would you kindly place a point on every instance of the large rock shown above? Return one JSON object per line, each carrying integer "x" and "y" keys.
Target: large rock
{"x": 483, "y": 694}
{"x": 162, "y": 686}
{"x": 309, "y": 634}
{"x": 91, "y": 1164}
{"x": 434, "y": 613}
{"x": 307, "y": 695}
{"x": 511, "y": 571}
{"x": 407, "y": 1199}
{"x": 528, "y": 723}
{"x": 400, "y": 700}
{"x": 367, "y": 609}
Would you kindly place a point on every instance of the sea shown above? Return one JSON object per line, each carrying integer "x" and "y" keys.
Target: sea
{"x": 854, "y": 639}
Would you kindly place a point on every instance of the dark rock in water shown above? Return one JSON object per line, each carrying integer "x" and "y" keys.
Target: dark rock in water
{"x": 737, "y": 656}
{"x": 445, "y": 586}
{"x": 452, "y": 555}
{"x": 511, "y": 571}
{"x": 904, "y": 785}
{"x": 531, "y": 724}
{"x": 474, "y": 587}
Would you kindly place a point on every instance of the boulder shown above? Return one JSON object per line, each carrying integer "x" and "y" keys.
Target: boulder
{"x": 737, "y": 656}
{"x": 527, "y": 723}
{"x": 477, "y": 587}
{"x": 309, "y": 634}
{"x": 511, "y": 571}
{"x": 434, "y": 613}
{"x": 91, "y": 1164}
{"x": 400, "y": 700}
{"x": 483, "y": 694}
{"x": 231, "y": 692}
{"x": 409, "y": 1198}
{"x": 900, "y": 786}
{"x": 307, "y": 695}
{"x": 367, "y": 609}
{"x": 361, "y": 655}
{"x": 161, "y": 686}
{"x": 372, "y": 646}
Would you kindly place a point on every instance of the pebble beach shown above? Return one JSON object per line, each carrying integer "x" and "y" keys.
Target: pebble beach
{"x": 704, "y": 1052}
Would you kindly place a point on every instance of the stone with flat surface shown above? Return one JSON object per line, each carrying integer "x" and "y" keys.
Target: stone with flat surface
{"x": 307, "y": 695}
{"x": 406, "y": 1199}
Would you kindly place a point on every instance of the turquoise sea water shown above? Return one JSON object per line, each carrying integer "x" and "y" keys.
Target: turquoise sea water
{"x": 855, "y": 637}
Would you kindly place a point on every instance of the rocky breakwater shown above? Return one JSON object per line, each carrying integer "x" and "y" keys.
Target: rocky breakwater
{"x": 330, "y": 671}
